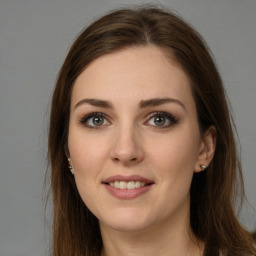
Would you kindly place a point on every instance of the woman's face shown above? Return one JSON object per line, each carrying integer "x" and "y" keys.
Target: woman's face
{"x": 134, "y": 139}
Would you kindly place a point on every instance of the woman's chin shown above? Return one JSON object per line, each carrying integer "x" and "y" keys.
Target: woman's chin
{"x": 124, "y": 227}
{"x": 126, "y": 222}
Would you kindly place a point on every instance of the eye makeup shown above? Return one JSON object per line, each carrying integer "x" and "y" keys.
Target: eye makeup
{"x": 161, "y": 120}
{"x": 94, "y": 120}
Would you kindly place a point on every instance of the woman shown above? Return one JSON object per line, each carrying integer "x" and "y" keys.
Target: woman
{"x": 141, "y": 144}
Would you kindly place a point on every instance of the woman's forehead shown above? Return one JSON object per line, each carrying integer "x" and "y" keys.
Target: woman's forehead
{"x": 135, "y": 73}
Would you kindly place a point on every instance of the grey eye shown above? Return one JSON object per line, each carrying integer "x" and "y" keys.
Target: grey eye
{"x": 95, "y": 120}
{"x": 98, "y": 120}
{"x": 162, "y": 120}
{"x": 159, "y": 120}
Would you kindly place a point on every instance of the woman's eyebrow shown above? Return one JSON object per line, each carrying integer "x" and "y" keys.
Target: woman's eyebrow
{"x": 159, "y": 101}
{"x": 95, "y": 102}
{"x": 143, "y": 104}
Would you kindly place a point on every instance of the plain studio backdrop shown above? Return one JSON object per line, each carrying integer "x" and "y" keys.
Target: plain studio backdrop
{"x": 35, "y": 36}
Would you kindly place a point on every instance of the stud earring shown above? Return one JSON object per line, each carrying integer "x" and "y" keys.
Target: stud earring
{"x": 70, "y": 167}
{"x": 202, "y": 166}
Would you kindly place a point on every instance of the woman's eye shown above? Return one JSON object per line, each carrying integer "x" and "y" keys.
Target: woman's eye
{"x": 95, "y": 120}
{"x": 162, "y": 120}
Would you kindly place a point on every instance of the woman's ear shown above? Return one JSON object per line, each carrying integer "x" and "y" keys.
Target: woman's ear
{"x": 70, "y": 167}
{"x": 66, "y": 150}
{"x": 206, "y": 149}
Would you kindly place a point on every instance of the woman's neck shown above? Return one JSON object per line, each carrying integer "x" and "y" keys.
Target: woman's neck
{"x": 170, "y": 239}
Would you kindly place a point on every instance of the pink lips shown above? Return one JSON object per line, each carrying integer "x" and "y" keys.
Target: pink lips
{"x": 127, "y": 193}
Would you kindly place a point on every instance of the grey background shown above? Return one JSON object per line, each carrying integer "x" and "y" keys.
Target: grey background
{"x": 35, "y": 36}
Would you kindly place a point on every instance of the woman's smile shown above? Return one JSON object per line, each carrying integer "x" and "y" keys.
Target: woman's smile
{"x": 127, "y": 187}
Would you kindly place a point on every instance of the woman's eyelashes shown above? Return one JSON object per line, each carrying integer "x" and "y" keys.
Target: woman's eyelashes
{"x": 161, "y": 120}
{"x": 97, "y": 120}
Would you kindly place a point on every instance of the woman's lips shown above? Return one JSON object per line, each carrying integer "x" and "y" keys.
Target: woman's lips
{"x": 127, "y": 187}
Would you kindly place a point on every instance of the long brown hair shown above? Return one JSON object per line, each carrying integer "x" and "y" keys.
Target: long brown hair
{"x": 213, "y": 192}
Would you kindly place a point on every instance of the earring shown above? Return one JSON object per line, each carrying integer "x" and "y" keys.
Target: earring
{"x": 202, "y": 166}
{"x": 70, "y": 167}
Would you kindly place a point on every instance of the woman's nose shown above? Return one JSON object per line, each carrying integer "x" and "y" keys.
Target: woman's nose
{"x": 127, "y": 147}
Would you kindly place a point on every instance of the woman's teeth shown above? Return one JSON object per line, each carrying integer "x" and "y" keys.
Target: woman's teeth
{"x": 127, "y": 185}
